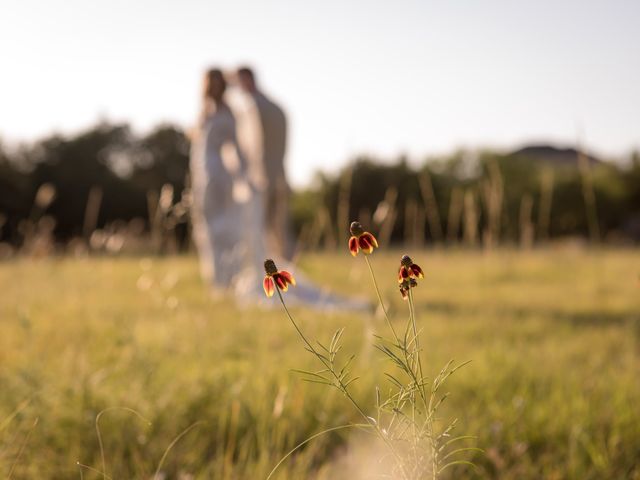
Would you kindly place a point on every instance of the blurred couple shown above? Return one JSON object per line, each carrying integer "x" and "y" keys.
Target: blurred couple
{"x": 240, "y": 211}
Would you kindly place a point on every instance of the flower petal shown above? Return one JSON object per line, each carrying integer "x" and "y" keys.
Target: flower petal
{"x": 353, "y": 246}
{"x": 288, "y": 277}
{"x": 268, "y": 286}
{"x": 417, "y": 271}
{"x": 371, "y": 239}
{"x": 364, "y": 244}
{"x": 403, "y": 273}
{"x": 281, "y": 282}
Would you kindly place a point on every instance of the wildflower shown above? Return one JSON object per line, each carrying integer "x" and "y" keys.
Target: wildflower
{"x": 275, "y": 277}
{"x": 361, "y": 240}
{"x": 408, "y": 269}
{"x": 407, "y": 285}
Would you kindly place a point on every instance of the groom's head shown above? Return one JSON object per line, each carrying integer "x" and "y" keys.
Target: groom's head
{"x": 247, "y": 80}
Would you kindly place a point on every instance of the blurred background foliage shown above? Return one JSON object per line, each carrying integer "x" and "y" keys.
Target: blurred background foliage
{"x": 109, "y": 178}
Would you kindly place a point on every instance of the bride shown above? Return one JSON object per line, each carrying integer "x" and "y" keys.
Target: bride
{"x": 222, "y": 198}
{"x": 227, "y": 211}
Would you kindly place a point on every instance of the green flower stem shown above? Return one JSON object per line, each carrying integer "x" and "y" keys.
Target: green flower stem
{"x": 401, "y": 345}
{"x": 412, "y": 315}
{"x": 429, "y": 412}
{"x": 343, "y": 388}
{"x": 375, "y": 285}
{"x": 324, "y": 362}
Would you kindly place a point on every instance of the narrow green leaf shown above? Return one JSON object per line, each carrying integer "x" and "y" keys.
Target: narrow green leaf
{"x": 457, "y": 462}
{"x": 460, "y": 450}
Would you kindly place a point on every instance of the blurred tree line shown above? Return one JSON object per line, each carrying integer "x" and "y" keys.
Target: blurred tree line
{"x": 108, "y": 179}
{"x": 530, "y": 195}
{"x": 100, "y": 178}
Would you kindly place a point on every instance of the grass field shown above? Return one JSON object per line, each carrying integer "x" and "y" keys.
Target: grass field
{"x": 553, "y": 389}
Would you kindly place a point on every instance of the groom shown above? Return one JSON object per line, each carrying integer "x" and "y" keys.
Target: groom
{"x": 265, "y": 153}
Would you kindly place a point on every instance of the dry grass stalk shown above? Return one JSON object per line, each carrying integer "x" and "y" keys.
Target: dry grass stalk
{"x": 526, "y": 225}
{"x": 37, "y": 229}
{"x": 546, "y": 198}
{"x": 364, "y": 217}
{"x": 344, "y": 201}
{"x": 327, "y": 228}
{"x": 152, "y": 206}
{"x": 470, "y": 219}
{"x": 455, "y": 214}
{"x": 431, "y": 206}
{"x": 304, "y": 237}
{"x": 589, "y": 195}
{"x": 92, "y": 211}
{"x": 410, "y": 210}
{"x": 419, "y": 227}
{"x": 388, "y": 218}
{"x": 315, "y": 233}
{"x": 493, "y": 190}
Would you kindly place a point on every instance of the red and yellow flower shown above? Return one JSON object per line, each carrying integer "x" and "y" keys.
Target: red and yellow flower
{"x": 276, "y": 278}
{"x": 408, "y": 269}
{"x": 361, "y": 240}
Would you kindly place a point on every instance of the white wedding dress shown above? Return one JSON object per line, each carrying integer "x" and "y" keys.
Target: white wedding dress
{"x": 228, "y": 223}
{"x": 217, "y": 226}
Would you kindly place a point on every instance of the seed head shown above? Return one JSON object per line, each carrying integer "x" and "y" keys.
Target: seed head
{"x": 356, "y": 229}
{"x": 406, "y": 261}
{"x": 270, "y": 267}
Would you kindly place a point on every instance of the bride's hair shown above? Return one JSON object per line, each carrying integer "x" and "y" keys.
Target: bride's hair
{"x": 213, "y": 89}
{"x": 214, "y": 85}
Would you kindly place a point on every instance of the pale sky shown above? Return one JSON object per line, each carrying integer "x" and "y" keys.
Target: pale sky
{"x": 381, "y": 77}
